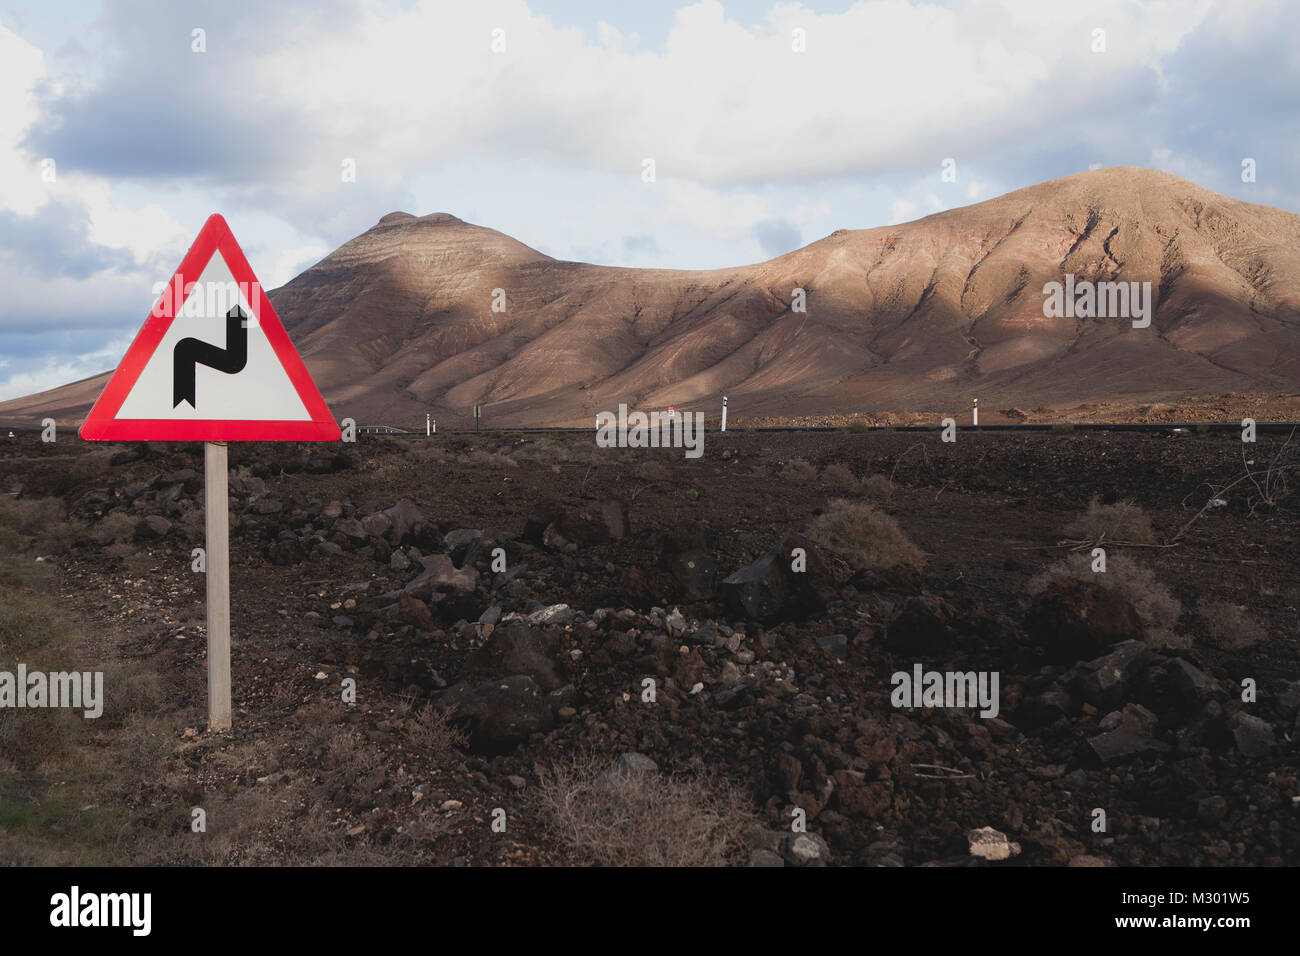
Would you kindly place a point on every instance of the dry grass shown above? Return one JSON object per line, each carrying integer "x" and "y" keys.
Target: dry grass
{"x": 797, "y": 469}
{"x": 1228, "y": 625}
{"x": 35, "y": 526}
{"x": 1158, "y": 609}
{"x": 878, "y": 487}
{"x": 1123, "y": 521}
{"x": 116, "y": 527}
{"x": 432, "y": 733}
{"x": 839, "y": 477}
{"x": 864, "y": 536}
{"x": 642, "y": 819}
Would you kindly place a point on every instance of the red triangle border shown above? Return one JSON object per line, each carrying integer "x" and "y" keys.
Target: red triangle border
{"x": 103, "y": 425}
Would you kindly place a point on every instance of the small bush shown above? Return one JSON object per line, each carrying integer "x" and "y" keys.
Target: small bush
{"x": 864, "y": 536}
{"x": 35, "y": 525}
{"x": 1123, "y": 521}
{"x": 798, "y": 470}
{"x": 28, "y": 620}
{"x": 642, "y": 818}
{"x": 839, "y": 477}
{"x": 1228, "y": 626}
{"x": 855, "y": 427}
{"x": 116, "y": 527}
{"x": 1158, "y": 609}
{"x": 651, "y": 470}
{"x": 129, "y": 690}
{"x": 433, "y": 734}
{"x": 878, "y": 487}
{"x": 88, "y": 467}
{"x": 1062, "y": 428}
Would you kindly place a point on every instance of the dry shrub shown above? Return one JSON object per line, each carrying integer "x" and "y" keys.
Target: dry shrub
{"x": 864, "y": 536}
{"x": 797, "y": 469}
{"x": 348, "y": 752}
{"x": 29, "y": 620}
{"x": 88, "y": 467}
{"x": 839, "y": 477}
{"x": 32, "y": 737}
{"x": 193, "y": 526}
{"x": 432, "y": 733}
{"x": 878, "y": 487}
{"x": 642, "y": 818}
{"x": 1123, "y": 521}
{"x": 1158, "y": 609}
{"x": 116, "y": 527}
{"x": 651, "y": 470}
{"x": 129, "y": 690}
{"x": 1228, "y": 625}
{"x": 35, "y": 525}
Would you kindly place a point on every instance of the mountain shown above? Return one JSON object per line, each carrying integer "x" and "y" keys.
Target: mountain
{"x": 921, "y": 316}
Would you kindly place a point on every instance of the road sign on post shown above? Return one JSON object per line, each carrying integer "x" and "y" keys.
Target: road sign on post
{"x": 212, "y": 364}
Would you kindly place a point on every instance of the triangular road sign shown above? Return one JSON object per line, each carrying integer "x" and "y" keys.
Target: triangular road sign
{"x": 212, "y": 362}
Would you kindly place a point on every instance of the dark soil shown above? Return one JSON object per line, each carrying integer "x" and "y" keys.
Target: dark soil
{"x": 794, "y": 711}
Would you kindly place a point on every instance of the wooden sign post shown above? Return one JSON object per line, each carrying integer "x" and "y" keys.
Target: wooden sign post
{"x": 216, "y": 515}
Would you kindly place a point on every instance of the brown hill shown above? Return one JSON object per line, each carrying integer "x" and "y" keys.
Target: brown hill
{"x": 923, "y": 315}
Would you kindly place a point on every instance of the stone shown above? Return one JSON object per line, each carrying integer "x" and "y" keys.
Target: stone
{"x": 1193, "y": 686}
{"x": 1252, "y": 735}
{"x": 499, "y": 714}
{"x": 805, "y": 849}
{"x": 924, "y": 626}
{"x": 558, "y": 614}
{"x": 990, "y": 844}
{"x": 440, "y": 574}
{"x": 152, "y": 527}
{"x": 415, "y": 612}
{"x": 837, "y": 645}
{"x": 377, "y": 525}
{"x": 406, "y": 522}
{"x": 1119, "y": 746}
{"x": 351, "y": 528}
{"x": 626, "y": 766}
{"x": 1073, "y": 619}
{"x": 769, "y": 590}
{"x": 515, "y": 648}
{"x": 1103, "y": 682}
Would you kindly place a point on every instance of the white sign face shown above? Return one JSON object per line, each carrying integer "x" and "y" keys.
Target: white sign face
{"x": 201, "y": 353}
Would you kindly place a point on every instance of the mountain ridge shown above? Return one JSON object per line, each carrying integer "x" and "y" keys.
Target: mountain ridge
{"x": 920, "y": 315}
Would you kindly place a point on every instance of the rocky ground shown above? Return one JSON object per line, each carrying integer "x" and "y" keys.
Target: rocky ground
{"x": 512, "y": 606}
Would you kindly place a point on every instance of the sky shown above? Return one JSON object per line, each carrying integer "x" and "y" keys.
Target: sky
{"x": 124, "y": 125}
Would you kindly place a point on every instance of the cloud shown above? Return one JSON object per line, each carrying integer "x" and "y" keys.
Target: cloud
{"x": 881, "y": 86}
{"x": 755, "y": 143}
{"x": 641, "y": 245}
{"x": 776, "y": 237}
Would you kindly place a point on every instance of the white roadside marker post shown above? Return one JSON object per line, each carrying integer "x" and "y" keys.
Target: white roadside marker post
{"x": 216, "y": 489}
{"x": 428, "y": 428}
{"x": 975, "y": 412}
{"x": 724, "y": 413}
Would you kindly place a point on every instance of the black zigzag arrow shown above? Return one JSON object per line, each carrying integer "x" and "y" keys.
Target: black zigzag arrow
{"x": 192, "y": 352}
